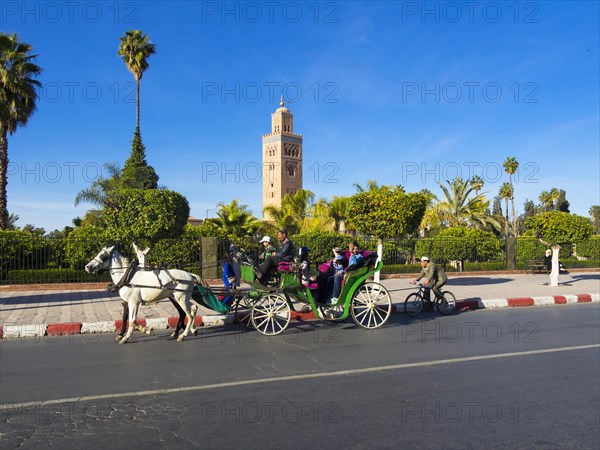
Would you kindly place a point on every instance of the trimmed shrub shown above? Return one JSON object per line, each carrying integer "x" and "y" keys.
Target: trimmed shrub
{"x": 589, "y": 248}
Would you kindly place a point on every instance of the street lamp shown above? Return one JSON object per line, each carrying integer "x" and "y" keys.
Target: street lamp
{"x": 209, "y": 209}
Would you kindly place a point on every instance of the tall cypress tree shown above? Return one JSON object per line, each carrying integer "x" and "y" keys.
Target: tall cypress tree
{"x": 136, "y": 171}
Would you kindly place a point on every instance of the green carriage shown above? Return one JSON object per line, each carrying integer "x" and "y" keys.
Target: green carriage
{"x": 367, "y": 302}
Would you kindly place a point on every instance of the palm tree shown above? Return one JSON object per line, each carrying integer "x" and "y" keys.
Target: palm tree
{"x": 101, "y": 192}
{"x": 337, "y": 211}
{"x": 510, "y": 167}
{"x": 545, "y": 199}
{"x": 135, "y": 49}
{"x": 294, "y": 208}
{"x": 458, "y": 208}
{"x": 318, "y": 217}
{"x": 235, "y": 219}
{"x": 12, "y": 221}
{"x": 477, "y": 183}
{"x": 554, "y": 196}
{"x": 431, "y": 219}
{"x": 18, "y": 97}
{"x": 506, "y": 193}
{"x": 371, "y": 186}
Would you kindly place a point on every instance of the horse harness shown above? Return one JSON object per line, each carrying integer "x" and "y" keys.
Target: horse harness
{"x": 126, "y": 278}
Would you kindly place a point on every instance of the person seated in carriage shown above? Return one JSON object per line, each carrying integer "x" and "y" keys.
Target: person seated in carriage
{"x": 355, "y": 258}
{"x": 304, "y": 266}
{"x": 339, "y": 265}
{"x": 285, "y": 253}
{"x": 268, "y": 246}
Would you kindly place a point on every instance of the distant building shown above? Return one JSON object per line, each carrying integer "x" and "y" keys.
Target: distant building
{"x": 282, "y": 158}
{"x": 195, "y": 222}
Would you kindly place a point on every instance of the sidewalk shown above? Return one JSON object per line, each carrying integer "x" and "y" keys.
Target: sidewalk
{"x": 39, "y": 312}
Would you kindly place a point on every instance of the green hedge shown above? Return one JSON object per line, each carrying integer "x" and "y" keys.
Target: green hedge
{"x": 590, "y": 248}
{"x": 463, "y": 244}
{"x": 53, "y": 276}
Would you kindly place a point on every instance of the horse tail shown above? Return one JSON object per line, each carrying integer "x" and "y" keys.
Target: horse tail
{"x": 198, "y": 280}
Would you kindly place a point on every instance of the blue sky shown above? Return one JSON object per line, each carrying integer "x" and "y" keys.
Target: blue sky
{"x": 404, "y": 93}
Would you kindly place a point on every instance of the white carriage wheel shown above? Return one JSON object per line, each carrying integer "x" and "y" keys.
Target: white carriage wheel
{"x": 371, "y": 305}
{"x": 271, "y": 314}
{"x": 243, "y": 311}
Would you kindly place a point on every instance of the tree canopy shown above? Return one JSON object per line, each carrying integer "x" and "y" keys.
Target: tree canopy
{"x": 559, "y": 228}
{"x": 386, "y": 212}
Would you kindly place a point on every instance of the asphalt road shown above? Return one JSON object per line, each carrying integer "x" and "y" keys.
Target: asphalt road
{"x": 509, "y": 378}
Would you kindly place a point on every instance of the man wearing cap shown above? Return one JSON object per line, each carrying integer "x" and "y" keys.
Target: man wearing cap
{"x": 285, "y": 253}
{"x": 433, "y": 277}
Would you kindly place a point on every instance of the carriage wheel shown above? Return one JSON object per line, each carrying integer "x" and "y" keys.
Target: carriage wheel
{"x": 413, "y": 305}
{"x": 271, "y": 314}
{"x": 371, "y": 305}
{"x": 243, "y": 311}
{"x": 446, "y": 305}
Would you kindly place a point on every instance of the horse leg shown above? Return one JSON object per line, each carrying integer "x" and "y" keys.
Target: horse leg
{"x": 124, "y": 321}
{"x": 184, "y": 302}
{"x": 133, "y": 309}
{"x": 181, "y": 322}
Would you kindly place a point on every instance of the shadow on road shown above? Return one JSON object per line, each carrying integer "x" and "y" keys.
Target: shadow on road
{"x": 56, "y": 297}
{"x": 476, "y": 281}
{"x": 584, "y": 277}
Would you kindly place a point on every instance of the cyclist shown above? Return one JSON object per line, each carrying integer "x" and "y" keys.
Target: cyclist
{"x": 433, "y": 277}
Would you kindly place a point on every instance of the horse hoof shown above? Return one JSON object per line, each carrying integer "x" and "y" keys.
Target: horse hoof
{"x": 150, "y": 332}
{"x": 180, "y": 338}
{"x": 174, "y": 334}
{"x": 122, "y": 341}
{"x": 195, "y": 332}
{"x": 118, "y": 337}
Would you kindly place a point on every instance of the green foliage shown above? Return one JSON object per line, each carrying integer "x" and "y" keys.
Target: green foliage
{"x": 459, "y": 243}
{"x": 386, "y": 212}
{"x": 183, "y": 252}
{"x": 595, "y": 216}
{"x": 17, "y": 246}
{"x": 589, "y": 248}
{"x": 84, "y": 243}
{"x": 529, "y": 248}
{"x": 321, "y": 243}
{"x": 559, "y": 228}
{"x": 147, "y": 215}
{"x": 136, "y": 171}
{"x": 236, "y": 221}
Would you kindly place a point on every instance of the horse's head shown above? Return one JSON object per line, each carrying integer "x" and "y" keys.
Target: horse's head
{"x": 100, "y": 261}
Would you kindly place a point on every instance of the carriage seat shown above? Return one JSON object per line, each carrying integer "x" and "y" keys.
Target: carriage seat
{"x": 368, "y": 260}
{"x": 284, "y": 266}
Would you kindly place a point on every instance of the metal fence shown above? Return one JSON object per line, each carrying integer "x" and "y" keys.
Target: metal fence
{"x": 46, "y": 260}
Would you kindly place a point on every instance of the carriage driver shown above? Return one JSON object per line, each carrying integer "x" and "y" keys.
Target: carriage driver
{"x": 433, "y": 277}
{"x": 285, "y": 253}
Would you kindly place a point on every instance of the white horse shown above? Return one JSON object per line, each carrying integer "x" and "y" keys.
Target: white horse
{"x": 147, "y": 287}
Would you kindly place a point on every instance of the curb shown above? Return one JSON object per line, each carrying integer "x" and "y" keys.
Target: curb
{"x": 59, "y": 329}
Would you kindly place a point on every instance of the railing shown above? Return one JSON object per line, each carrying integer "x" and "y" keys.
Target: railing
{"x": 47, "y": 260}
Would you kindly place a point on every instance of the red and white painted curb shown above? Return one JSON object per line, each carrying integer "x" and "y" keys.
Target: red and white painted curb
{"x": 58, "y": 329}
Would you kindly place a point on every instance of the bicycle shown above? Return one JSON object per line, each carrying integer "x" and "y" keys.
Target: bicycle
{"x": 413, "y": 305}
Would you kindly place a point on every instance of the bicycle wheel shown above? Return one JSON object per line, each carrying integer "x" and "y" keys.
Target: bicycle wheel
{"x": 413, "y": 305}
{"x": 446, "y": 304}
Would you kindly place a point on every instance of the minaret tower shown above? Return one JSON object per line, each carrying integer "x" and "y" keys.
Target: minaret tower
{"x": 282, "y": 158}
